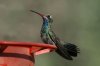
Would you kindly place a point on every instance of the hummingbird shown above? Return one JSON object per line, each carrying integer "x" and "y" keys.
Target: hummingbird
{"x": 64, "y": 49}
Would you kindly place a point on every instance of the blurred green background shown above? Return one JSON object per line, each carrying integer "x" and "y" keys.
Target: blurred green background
{"x": 75, "y": 21}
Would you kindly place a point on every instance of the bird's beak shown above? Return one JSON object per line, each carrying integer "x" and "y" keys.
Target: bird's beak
{"x": 38, "y": 13}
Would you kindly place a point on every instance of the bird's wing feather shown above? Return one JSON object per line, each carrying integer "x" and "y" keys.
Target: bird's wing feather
{"x": 60, "y": 48}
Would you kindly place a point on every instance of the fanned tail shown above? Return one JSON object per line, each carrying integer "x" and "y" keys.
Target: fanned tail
{"x": 72, "y": 49}
{"x": 63, "y": 52}
{"x": 67, "y": 50}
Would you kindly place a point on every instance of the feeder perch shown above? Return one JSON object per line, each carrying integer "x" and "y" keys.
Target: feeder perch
{"x": 22, "y": 53}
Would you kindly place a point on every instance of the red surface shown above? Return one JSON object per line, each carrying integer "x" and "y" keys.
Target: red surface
{"x": 22, "y": 53}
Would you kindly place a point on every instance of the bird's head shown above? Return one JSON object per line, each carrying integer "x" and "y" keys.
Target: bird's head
{"x": 48, "y": 18}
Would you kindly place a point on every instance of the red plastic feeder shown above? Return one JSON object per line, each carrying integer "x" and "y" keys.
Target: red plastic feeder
{"x": 21, "y": 53}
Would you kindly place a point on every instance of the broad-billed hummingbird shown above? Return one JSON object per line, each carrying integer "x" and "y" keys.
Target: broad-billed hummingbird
{"x": 66, "y": 50}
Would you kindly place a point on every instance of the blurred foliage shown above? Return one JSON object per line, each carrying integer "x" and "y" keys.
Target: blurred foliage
{"x": 75, "y": 21}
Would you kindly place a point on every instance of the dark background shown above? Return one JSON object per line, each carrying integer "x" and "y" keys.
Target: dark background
{"x": 75, "y": 21}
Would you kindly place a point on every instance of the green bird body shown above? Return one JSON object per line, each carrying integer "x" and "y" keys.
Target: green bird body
{"x": 45, "y": 29}
{"x": 66, "y": 50}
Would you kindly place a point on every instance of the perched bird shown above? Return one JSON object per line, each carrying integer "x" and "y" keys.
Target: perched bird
{"x": 66, "y": 50}
{"x": 45, "y": 28}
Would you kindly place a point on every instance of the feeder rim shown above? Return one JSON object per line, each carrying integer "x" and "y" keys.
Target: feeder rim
{"x": 19, "y": 43}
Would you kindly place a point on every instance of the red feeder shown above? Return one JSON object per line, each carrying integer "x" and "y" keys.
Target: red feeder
{"x": 21, "y": 53}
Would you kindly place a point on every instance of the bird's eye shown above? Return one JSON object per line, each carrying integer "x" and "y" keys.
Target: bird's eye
{"x": 49, "y": 16}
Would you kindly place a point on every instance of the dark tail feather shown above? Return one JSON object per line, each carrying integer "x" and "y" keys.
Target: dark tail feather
{"x": 67, "y": 51}
{"x": 63, "y": 54}
{"x": 72, "y": 49}
{"x": 62, "y": 51}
